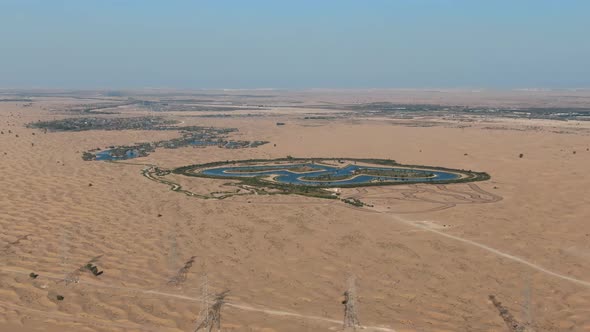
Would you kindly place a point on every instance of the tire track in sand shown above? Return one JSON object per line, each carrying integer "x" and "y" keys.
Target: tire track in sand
{"x": 492, "y": 250}
{"x": 481, "y": 199}
{"x": 245, "y": 307}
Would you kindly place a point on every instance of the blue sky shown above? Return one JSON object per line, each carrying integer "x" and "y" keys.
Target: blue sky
{"x": 294, "y": 44}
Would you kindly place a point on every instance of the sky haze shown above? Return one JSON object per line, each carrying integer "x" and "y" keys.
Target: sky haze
{"x": 296, "y": 44}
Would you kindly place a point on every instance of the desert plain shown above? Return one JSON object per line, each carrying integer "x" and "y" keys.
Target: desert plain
{"x": 424, "y": 257}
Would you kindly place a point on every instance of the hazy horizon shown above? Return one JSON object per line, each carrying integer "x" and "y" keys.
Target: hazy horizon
{"x": 263, "y": 44}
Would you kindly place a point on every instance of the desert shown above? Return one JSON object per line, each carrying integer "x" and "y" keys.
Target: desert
{"x": 95, "y": 245}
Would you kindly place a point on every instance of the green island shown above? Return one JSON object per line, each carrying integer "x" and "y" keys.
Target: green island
{"x": 319, "y": 177}
{"x": 294, "y": 169}
{"x": 195, "y": 136}
{"x": 392, "y": 173}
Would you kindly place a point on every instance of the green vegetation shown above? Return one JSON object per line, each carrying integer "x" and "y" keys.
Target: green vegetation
{"x": 395, "y": 173}
{"x": 301, "y": 169}
{"x": 392, "y": 173}
{"x": 296, "y": 169}
{"x": 95, "y": 123}
{"x": 252, "y": 185}
{"x": 327, "y": 177}
{"x": 88, "y": 156}
{"x": 355, "y": 202}
{"x": 414, "y": 110}
{"x": 267, "y": 187}
{"x": 281, "y": 188}
{"x": 196, "y": 136}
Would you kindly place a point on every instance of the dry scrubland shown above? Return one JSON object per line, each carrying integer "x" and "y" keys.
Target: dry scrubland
{"x": 286, "y": 259}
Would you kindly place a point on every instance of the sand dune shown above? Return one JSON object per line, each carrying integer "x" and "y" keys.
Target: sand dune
{"x": 425, "y": 257}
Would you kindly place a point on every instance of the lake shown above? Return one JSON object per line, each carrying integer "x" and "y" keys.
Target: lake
{"x": 346, "y": 175}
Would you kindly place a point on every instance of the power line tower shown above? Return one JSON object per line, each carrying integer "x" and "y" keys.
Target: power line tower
{"x": 204, "y": 314}
{"x": 351, "y": 321}
{"x": 210, "y": 315}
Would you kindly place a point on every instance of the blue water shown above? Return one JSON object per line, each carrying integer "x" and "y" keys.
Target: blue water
{"x": 132, "y": 153}
{"x": 204, "y": 143}
{"x": 307, "y": 178}
{"x": 106, "y": 155}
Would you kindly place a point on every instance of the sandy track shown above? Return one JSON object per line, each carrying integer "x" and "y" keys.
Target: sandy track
{"x": 443, "y": 196}
{"x": 481, "y": 197}
{"x": 239, "y": 306}
{"x": 289, "y": 253}
{"x": 494, "y": 251}
{"x": 463, "y": 197}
